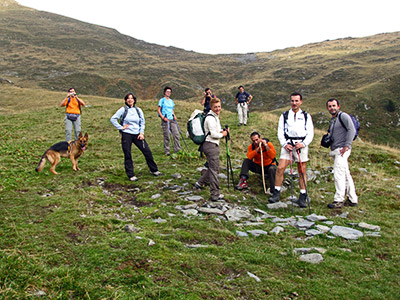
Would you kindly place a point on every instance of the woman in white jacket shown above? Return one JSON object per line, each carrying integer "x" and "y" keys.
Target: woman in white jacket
{"x": 214, "y": 132}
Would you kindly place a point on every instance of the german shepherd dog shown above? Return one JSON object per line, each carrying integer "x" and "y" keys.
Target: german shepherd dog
{"x": 73, "y": 150}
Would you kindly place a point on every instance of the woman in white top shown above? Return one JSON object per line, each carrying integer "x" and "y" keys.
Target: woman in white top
{"x": 212, "y": 128}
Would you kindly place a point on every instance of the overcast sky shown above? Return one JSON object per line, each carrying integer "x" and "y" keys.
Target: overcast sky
{"x": 232, "y": 26}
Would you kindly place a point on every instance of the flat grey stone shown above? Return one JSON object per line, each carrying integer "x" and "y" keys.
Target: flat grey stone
{"x": 277, "y": 230}
{"x": 222, "y": 176}
{"x": 257, "y": 232}
{"x": 241, "y": 233}
{"x": 250, "y": 223}
{"x": 369, "y": 226}
{"x": 302, "y": 250}
{"x": 194, "y": 198}
{"x": 328, "y": 222}
{"x": 283, "y": 220}
{"x": 314, "y": 218}
{"x": 313, "y": 232}
{"x": 373, "y": 233}
{"x": 346, "y": 232}
{"x": 156, "y": 196}
{"x": 159, "y": 220}
{"x": 277, "y": 205}
{"x": 314, "y": 258}
{"x": 323, "y": 228}
{"x": 207, "y": 210}
{"x": 190, "y": 212}
{"x": 304, "y": 224}
{"x": 195, "y": 246}
{"x": 176, "y": 176}
{"x": 260, "y": 211}
{"x": 236, "y": 214}
{"x": 344, "y": 215}
{"x": 189, "y": 206}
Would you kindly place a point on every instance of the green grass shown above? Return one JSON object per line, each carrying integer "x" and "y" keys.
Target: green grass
{"x": 72, "y": 244}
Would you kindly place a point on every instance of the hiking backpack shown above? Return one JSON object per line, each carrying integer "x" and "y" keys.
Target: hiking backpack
{"x": 195, "y": 127}
{"x": 355, "y": 123}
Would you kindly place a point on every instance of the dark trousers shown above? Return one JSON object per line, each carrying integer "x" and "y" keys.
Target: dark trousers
{"x": 269, "y": 171}
{"x": 126, "y": 142}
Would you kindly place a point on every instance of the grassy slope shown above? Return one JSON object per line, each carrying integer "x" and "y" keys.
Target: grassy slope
{"x": 45, "y": 50}
{"x": 72, "y": 244}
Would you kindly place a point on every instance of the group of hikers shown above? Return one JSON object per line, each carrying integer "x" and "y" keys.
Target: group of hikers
{"x": 295, "y": 134}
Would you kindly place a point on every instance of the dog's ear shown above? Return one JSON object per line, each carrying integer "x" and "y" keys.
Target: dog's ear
{"x": 86, "y": 136}
{"x": 80, "y": 134}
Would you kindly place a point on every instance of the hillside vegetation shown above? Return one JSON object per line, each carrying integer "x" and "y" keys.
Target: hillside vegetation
{"x": 50, "y": 51}
{"x": 93, "y": 234}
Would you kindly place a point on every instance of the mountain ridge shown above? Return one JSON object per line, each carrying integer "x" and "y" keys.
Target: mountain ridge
{"x": 55, "y": 52}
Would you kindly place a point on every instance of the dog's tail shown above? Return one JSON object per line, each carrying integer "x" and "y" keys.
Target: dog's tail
{"x": 42, "y": 162}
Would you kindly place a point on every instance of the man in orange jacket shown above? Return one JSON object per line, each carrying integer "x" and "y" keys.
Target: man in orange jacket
{"x": 253, "y": 161}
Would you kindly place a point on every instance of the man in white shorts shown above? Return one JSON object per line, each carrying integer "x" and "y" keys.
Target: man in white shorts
{"x": 295, "y": 133}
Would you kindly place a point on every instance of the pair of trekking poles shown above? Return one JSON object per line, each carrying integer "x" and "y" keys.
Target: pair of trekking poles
{"x": 179, "y": 129}
{"x": 291, "y": 176}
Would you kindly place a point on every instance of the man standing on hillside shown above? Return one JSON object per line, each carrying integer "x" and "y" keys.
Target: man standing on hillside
{"x": 295, "y": 133}
{"x": 253, "y": 161}
{"x": 72, "y": 114}
{"x": 242, "y": 100}
{"x": 342, "y": 132}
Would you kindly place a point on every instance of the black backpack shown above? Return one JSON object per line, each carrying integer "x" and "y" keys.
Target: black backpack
{"x": 121, "y": 120}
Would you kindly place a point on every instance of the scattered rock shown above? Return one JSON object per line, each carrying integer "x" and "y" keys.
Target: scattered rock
{"x": 236, "y": 214}
{"x": 277, "y": 230}
{"x": 39, "y": 293}
{"x": 195, "y": 246}
{"x": 194, "y": 198}
{"x": 323, "y": 228}
{"x": 207, "y": 210}
{"x": 151, "y": 243}
{"x": 346, "y": 232}
{"x": 344, "y": 215}
{"x": 369, "y": 226}
{"x": 303, "y": 224}
{"x": 131, "y": 228}
{"x": 222, "y": 176}
{"x": 190, "y": 212}
{"x": 314, "y": 258}
{"x": 373, "y": 233}
{"x": 156, "y": 196}
{"x": 277, "y": 205}
{"x": 313, "y": 232}
{"x": 257, "y": 232}
{"x": 254, "y": 276}
{"x": 314, "y": 218}
{"x": 176, "y": 176}
{"x": 241, "y": 233}
{"x": 159, "y": 220}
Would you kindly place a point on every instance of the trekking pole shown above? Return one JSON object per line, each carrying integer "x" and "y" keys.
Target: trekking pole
{"x": 182, "y": 135}
{"x": 262, "y": 168}
{"x": 304, "y": 180}
{"x": 291, "y": 179}
{"x": 228, "y": 159}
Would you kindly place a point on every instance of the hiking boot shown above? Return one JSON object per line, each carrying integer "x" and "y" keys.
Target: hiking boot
{"x": 349, "y": 203}
{"x": 335, "y": 204}
{"x": 302, "y": 201}
{"x": 220, "y": 197}
{"x": 197, "y": 186}
{"x": 156, "y": 173}
{"x": 242, "y": 184}
{"x": 133, "y": 178}
{"x": 276, "y": 197}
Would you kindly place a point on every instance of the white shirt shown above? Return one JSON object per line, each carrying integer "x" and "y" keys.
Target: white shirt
{"x": 295, "y": 128}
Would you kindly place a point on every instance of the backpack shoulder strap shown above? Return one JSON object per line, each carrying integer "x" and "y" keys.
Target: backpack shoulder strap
{"x": 341, "y": 122}
{"x": 121, "y": 120}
